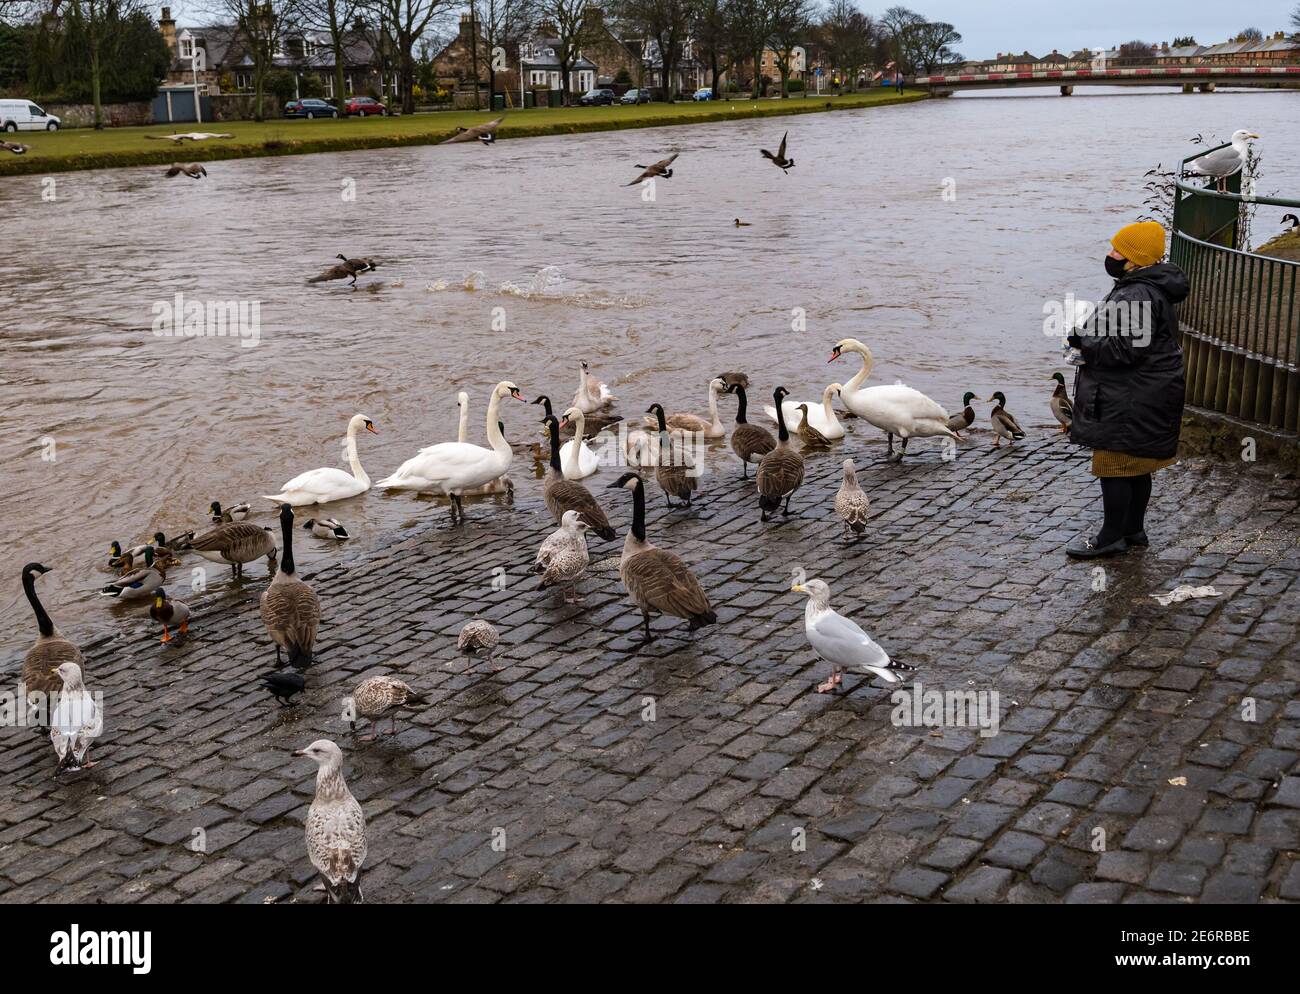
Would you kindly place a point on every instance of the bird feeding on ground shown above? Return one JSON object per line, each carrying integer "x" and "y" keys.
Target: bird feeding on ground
{"x": 479, "y": 640}
{"x": 563, "y": 558}
{"x": 851, "y": 504}
{"x": 840, "y": 641}
{"x": 75, "y": 721}
{"x": 377, "y": 697}
{"x": 284, "y": 686}
{"x": 336, "y": 826}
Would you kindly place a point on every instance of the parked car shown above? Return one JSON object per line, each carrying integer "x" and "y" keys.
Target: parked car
{"x": 703, "y": 93}
{"x": 365, "y": 106}
{"x": 309, "y": 107}
{"x": 636, "y": 97}
{"x": 593, "y": 98}
{"x": 23, "y": 115}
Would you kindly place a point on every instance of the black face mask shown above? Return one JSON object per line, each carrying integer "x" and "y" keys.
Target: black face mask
{"x": 1115, "y": 267}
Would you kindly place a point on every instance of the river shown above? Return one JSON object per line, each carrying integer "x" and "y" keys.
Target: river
{"x": 112, "y": 431}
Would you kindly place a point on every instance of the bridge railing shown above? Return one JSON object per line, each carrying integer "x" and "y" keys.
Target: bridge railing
{"x": 1241, "y": 320}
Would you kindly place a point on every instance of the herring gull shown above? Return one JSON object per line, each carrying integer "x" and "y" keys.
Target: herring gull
{"x": 379, "y": 696}
{"x": 75, "y": 721}
{"x": 336, "y": 826}
{"x": 840, "y": 641}
{"x": 1224, "y": 162}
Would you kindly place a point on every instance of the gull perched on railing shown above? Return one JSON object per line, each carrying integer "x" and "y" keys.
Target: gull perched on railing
{"x": 1224, "y": 162}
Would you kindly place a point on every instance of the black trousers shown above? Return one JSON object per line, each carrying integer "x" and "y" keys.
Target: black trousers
{"x": 1124, "y": 502}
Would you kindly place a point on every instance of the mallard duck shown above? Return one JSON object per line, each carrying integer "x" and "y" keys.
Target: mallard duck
{"x": 840, "y": 641}
{"x": 674, "y": 469}
{"x": 810, "y": 435}
{"x": 655, "y": 579}
{"x": 563, "y": 495}
{"x": 290, "y": 608}
{"x": 963, "y": 418}
{"x": 326, "y": 528}
{"x": 123, "y": 560}
{"x": 660, "y": 168}
{"x": 780, "y": 472}
{"x": 563, "y": 557}
{"x": 167, "y": 612}
{"x": 478, "y": 640}
{"x": 49, "y": 651}
{"x": 139, "y": 583}
{"x": 377, "y": 697}
{"x": 194, "y": 170}
{"x": 76, "y": 721}
{"x": 1060, "y": 404}
{"x": 1004, "y": 425}
{"x": 336, "y": 827}
{"x": 748, "y": 441}
{"x": 851, "y": 504}
{"x": 224, "y": 516}
{"x": 779, "y": 160}
{"x": 235, "y": 544}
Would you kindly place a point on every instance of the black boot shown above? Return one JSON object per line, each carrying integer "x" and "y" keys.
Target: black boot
{"x": 1135, "y": 535}
{"x": 1116, "y": 493}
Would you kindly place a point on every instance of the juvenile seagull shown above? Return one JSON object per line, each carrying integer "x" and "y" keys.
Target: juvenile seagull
{"x": 1060, "y": 403}
{"x": 840, "y": 641}
{"x": 336, "y": 827}
{"x": 779, "y": 159}
{"x": 479, "y": 640}
{"x": 379, "y": 696}
{"x": 75, "y": 722}
{"x": 563, "y": 557}
{"x": 1004, "y": 425}
{"x": 851, "y": 503}
{"x": 1224, "y": 162}
{"x": 16, "y": 147}
{"x": 660, "y": 168}
{"x": 290, "y": 608}
{"x": 194, "y": 170}
{"x": 283, "y": 686}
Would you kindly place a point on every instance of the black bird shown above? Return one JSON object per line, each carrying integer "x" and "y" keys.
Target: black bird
{"x": 1295, "y": 221}
{"x": 779, "y": 159}
{"x": 283, "y": 686}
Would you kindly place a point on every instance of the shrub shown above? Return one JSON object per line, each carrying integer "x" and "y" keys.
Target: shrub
{"x": 794, "y": 86}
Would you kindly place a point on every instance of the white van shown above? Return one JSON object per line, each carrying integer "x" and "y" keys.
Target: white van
{"x": 23, "y": 115}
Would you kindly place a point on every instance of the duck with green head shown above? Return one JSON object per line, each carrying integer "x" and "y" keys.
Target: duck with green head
{"x": 1004, "y": 425}
{"x": 963, "y": 418}
{"x": 167, "y": 612}
{"x": 1060, "y": 403}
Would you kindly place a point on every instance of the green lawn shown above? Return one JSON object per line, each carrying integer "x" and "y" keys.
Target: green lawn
{"x": 85, "y": 148}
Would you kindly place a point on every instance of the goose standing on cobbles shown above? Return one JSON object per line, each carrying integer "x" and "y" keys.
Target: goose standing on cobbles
{"x": 336, "y": 826}
{"x": 1004, "y": 425}
{"x": 674, "y": 469}
{"x": 235, "y": 544}
{"x": 562, "y": 495}
{"x": 748, "y": 441}
{"x": 563, "y": 558}
{"x": 75, "y": 722}
{"x": 290, "y": 608}
{"x": 50, "y": 651}
{"x": 851, "y": 504}
{"x": 840, "y": 641}
{"x": 896, "y": 410}
{"x": 655, "y": 579}
{"x": 780, "y": 472}
{"x": 1062, "y": 408}
{"x": 377, "y": 697}
{"x": 329, "y": 483}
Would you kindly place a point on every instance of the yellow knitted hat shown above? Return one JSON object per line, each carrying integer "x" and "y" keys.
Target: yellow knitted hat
{"x": 1142, "y": 244}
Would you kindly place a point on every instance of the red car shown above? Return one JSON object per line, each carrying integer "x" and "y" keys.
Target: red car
{"x": 364, "y": 106}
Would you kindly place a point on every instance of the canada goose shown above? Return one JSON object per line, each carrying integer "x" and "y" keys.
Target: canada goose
{"x": 348, "y": 269}
{"x": 326, "y": 528}
{"x": 840, "y": 641}
{"x": 780, "y": 472}
{"x": 563, "y": 495}
{"x": 320, "y": 486}
{"x": 851, "y": 503}
{"x": 963, "y": 418}
{"x": 660, "y": 168}
{"x": 377, "y": 697}
{"x": 485, "y": 133}
{"x": 710, "y": 427}
{"x": 742, "y": 224}
{"x": 224, "y": 516}
{"x": 592, "y": 394}
{"x": 49, "y": 651}
{"x": 290, "y": 608}
{"x": 673, "y": 469}
{"x": 896, "y": 410}
{"x": 820, "y": 416}
{"x": 478, "y": 640}
{"x": 336, "y": 827}
{"x": 75, "y": 722}
{"x": 750, "y": 442}
{"x": 169, "y": 612}
{"x": 139, "y": 583}
{"x": 730, "y": 380}
{"x": 235, "y": 544}
{"x": 1295, "y": 221}
{"x": 1004, "y": 425}
{"x": 358, "y": 266}
{"x": 1060, "y": 403}
{"x": 18, "y": 148}
{"x": 283, "y": 686}
{"x": 194, "y": 170}
{"x": 779, "y": 159}
{"x": 655, "y": 579}
{"x": 563, "y": 557}
{"x": 810, "y": 435}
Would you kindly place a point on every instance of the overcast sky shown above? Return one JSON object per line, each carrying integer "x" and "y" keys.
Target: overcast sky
{"x": 992, "y": 26}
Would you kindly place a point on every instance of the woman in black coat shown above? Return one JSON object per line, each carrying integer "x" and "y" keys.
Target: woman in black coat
{"x": 1128, "y": 394}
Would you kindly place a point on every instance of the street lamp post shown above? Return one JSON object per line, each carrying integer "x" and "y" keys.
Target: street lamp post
{"x": 194, "y": 66}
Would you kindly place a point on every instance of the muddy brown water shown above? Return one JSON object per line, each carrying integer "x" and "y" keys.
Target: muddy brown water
{"x": 113, "y": 431}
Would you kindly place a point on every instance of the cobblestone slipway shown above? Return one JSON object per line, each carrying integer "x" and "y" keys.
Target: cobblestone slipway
{"x": 1116, "y": 713}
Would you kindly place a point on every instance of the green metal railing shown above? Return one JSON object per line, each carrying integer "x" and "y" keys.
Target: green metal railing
{"x": 1241, "y": 321}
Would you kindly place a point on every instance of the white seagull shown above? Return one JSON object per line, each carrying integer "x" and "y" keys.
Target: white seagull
{"x": 75, "y": 723}
{"x": 336, "y": 826}
{"x": 1224, "y": 162}
{"x": 840, "y": 641}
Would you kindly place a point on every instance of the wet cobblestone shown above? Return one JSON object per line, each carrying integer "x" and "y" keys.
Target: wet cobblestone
{"x": 1106, "y": 697}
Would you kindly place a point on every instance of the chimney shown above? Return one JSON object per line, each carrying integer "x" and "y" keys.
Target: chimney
{"x": 167, "y": 27}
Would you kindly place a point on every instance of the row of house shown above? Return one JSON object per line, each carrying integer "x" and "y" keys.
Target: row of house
{"x": 1279, "y": 49}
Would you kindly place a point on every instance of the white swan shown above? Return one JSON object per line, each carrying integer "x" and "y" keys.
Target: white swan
{"x": 592, "y": 395}
{"x": 452, "y": 468}
{"x": 320, "y": 486}
{"x": 822, "y": 418}
{"x": 710, "y": 427}
{"x": 576, "y": 458}
{"x": 500, "y": 485}
{"x": 896, "y": 410}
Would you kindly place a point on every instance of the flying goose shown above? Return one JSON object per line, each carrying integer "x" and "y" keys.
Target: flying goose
{"x": 224, "y": 516}
{"x": 750, "y": 442}
{"x": 851, "y": 503}
{"x": 779, "y": 159}
{"x": 963, "y": 418}
{"x": 780, "y": 472}
{"x": 655, "y": 579}
{"x": 896, "y": 410}
{"x": 194, "y": 170}
{"x": 18, "y": 148}
{"x": 485, "y": 133}
{"x": 75, "y": 722}
{"x": 326, "y": 528}
{"x": 660, "y": 168}
{"x": 290, "y": 608}
{"x": 50, "y": 651}
{"x": 563, "y": 495}
{"x": 1004, "y": 425}
{"x": 377, "y": 697}
{"x": 169, "y": 612}
{"x": 1060, "y": 404}
{"x": 840, "y": 642}
{"x": 336, "y": 827}
{"x": 320, "y": 486}
{"x": 348, "y": 269}
{"x": 139, "y": 583}
{"x": 563, "y": 557}
{"x": 478, "y": 640}
{"x": 236, "y": 543}
{"x": 674, "y": 467}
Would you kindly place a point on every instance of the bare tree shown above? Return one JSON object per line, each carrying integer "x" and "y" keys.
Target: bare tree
{"x": 100, "y": 21}
{"x": 503, "y": 24}
{"x": 406, "y": 21}
{"x": 259, "y": 29}
{"x": 1295, "y": 19}
{"x": 848, "y": 37}
{"x": 568, "y": 19}
{"x": 902, "y": 26}
{"x": 335, "y": 17}
{"x": 1250, "y": 34}
{"x": 666, "y": 22}
{"x": 751, "y": 28}
{"x": 1136, "y": 52}
{"x": 792, "y": 22}
{"x": 713, "y": 38}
